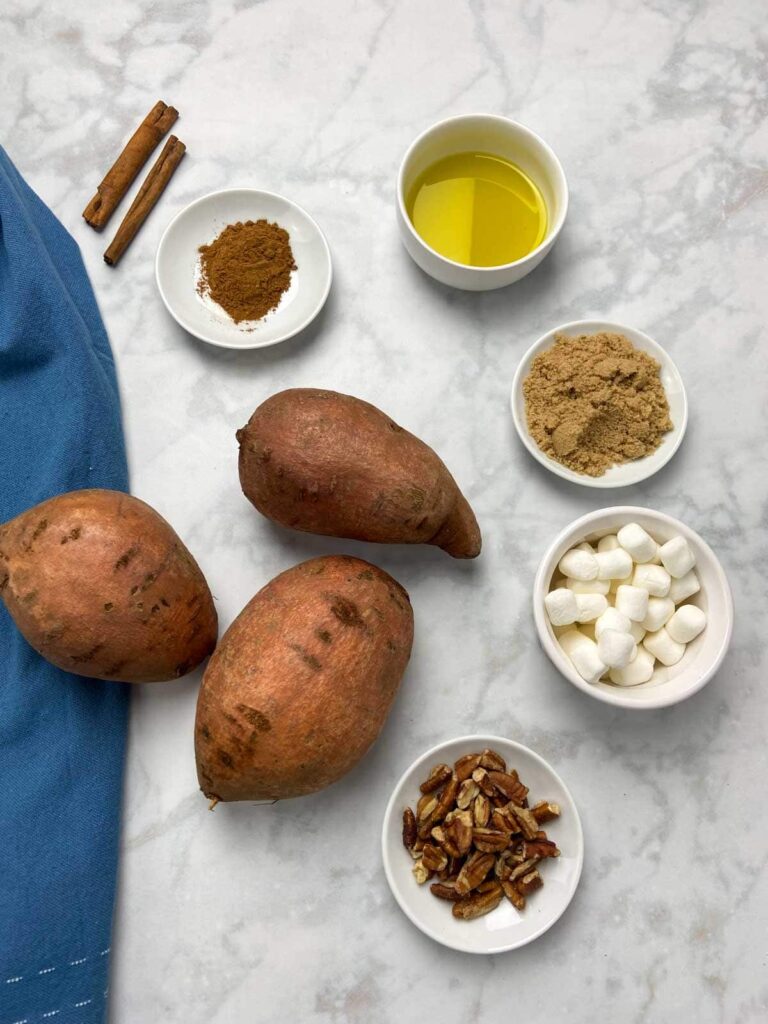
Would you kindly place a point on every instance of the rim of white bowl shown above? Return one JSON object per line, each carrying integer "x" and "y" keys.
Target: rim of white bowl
{"x": 552, "y": 464}
{"x": 549, "y": 237}
{"x": 618, "y": 699}
{"x": 486, "y": 741}
{"x": 194, "y": 331}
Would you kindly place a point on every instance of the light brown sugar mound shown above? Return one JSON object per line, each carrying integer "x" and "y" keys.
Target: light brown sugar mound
{"x": 594, "y": 401}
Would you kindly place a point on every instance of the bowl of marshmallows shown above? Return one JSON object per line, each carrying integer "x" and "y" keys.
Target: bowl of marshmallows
{"x": 633, "y": 607}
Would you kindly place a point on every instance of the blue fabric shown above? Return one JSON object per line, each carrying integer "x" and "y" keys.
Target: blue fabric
{"x": 62, "y": 738}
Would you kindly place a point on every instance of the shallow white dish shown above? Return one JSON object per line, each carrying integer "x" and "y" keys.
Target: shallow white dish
{"x": 176, "y": 268}
{"x": 504, "y": 928}
{"x": 629, "y": 472}
{"x": 703, "y": 655}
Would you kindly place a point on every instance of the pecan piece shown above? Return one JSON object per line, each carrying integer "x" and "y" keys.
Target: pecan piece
{"x": 445, "y": 891}
{"x": 545, "y": 811}
{"x": 505, "y": 821}
{"x": 528, "y": 824}
{"x": 481, "y": 777}
{"x": 477, "y": 904}
{"x": 509, "y": 785}
{"x": 530, "y": 882}
{"x": 476, "y": 867}
{"x": 433, "y": 858}
{"x": 436, "y": 778}
{"x": 425, "y": 807}
{"x": 458, "y": 834}
{"x": 464, "y": 767}
{"x": 447, "y": 800}
{"x": 490, "y": 760}
{"x": 481, "y": 810}
{"x": 468, "y": 790}
{"x": 409, "y": 828}
{"x": 421, "y": 872}
{"x": 540, "y": 848}
{"x": 515, "y": 897}
{"x": 489, "y": 840}
{"x": 522, "y": 869}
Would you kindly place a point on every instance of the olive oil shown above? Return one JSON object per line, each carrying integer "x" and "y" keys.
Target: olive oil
{"x": 477, "y": 209}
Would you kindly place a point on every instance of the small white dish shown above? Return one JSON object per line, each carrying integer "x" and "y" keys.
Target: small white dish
{"x": 628, "y": 472}
{"x": 177, "y": 265}
{"x": 703, "y": 656}
{"x": 504, "y": 928}
{"x": 482, "y": 133}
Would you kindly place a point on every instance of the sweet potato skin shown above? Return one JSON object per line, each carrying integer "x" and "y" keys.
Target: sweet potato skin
{"x": 100, "y": 585}
{"x": 328, "y": 463}
{"x": 302, "y": 681}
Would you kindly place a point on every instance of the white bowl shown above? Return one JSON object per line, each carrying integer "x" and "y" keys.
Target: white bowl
{"x": 482, "y": 133}
{"x": 703, "y": 655}
{"x": 176, "y": 268}
{"x": 628, "y": 472}
{"x": 504, "y": 928}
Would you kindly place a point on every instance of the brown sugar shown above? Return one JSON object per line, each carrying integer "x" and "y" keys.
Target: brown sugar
{"x": 247, "y": 268}
{"x": 594, "y": 401}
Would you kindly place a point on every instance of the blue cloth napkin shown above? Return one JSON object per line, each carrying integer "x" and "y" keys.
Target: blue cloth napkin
{"x": 62, "y": 738}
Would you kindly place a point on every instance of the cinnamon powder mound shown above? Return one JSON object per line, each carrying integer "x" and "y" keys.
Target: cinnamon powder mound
{"x": 247, "y": 268}
{"x": 594, "y": 401}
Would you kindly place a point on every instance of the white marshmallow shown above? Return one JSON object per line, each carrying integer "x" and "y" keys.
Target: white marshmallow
{"x": 561, "y": 606}
{"x": 686, "y": 624}
{"x": 677, "y": 557}
{"x": 660, "y": 611}
{"x": 585, "y": 546}
{"x": 653, "y": 578}
{"x": 612, "y": 619}
{"x": 632, "y": 601}
{"x": 559, "y": 630}
{"x": 579, "y": 564}
{"x": 571, "y": 640}
{"x": 615, "y": 584}
{"x": 640, "y": 544}
{"x": 613, "y": 565}
{"x": 608, "y": 543}
{"x": 586, "y": 660}
{"x": 656, "y": 560}
{"x": 684, "y": 587}
{"x": 661, "y": 645}
{"x": 589, "y": 586}
{"x": 639, "y": 670}
{"x": 637, "y": 631}
{"x": 590, "y": 606}
{"x": 616, "y": 649}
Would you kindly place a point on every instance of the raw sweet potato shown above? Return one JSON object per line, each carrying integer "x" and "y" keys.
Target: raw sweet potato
{"x": 328, "y": 463}
{"x": 99, "y": 584}
{"x": 302, "y": 681}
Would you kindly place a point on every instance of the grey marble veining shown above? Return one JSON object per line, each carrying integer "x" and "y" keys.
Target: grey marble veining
{"x": 658, "y": 112}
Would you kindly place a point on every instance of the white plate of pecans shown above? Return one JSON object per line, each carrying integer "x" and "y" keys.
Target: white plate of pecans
{"x": 482, "y": 844}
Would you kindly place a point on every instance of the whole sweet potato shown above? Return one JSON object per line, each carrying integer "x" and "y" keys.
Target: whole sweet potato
{"x": 99, "y": 584}
{"x": 328, "y": 463}
{"x": 302, "y": 681}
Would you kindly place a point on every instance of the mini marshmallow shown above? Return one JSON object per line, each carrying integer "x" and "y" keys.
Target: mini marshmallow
{"x": 653, "y": 578}
{"x": 589, "y": 586}
{"x": 661, "y": 645}
{"x": 639, "y": 670}
{"x": 571, "y": 640}
{"x": 586, "y": 660}
{"x": 635, "y": 540}
{"x": 608, "y": 543}
{"x": 684, "y": 587}
{"x": 660, "y": 611}
{"x": 585, "y": 546}
{"x": 579, "y": 564}
{"x": 612, "y": 619}
{"x": 616, "y": 649}
{"x": 615, "y": 584}
{"x": 613, "y": 565}
{"x": 590, "y": 606}
{"x": 686, "y": 624}
{"x": 561, "y": 606}
{"x": 677, "y": 557}
{"x": 637, "y": 631}
{"x": 632, "y": 601}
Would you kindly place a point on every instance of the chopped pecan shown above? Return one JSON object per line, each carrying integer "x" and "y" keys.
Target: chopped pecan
{"x": 492, "y": 761}
{"x": 425, "y": 807}
{"x": 530, "y": 882}
{"x": 477, "y": 904}
{"x": 489, "y": 840}
{"x": 437, "y": 778}
{"x": 480, "y": 776}
{"x": 409, "y": 828}
{"x": 528, "y": 824}
{"x": 481, "y": 810}
{"x": 540, "y": 848}
{"x": 475, "y": 868}
{"x": 522, "y": 869}
{"x": 545, "y": 811}
{"x": 433, "y": 858}
{"x": 447, "y": 799}
{"x": 458, "y": 834}
{"x": 509, "y": 785}
{"x": 445, "y": 891}
{"x": 468, "y": 790}
{"x": 464, "y": 767}
{"x": 512, "y": 893}
{"x": 421, "y": 872}
{"x": 505, "y": 821}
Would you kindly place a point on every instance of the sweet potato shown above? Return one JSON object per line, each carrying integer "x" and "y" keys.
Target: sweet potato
{"x": 328, "y": 463}
{"x": 99, "y": 584}
{"x": 302, "y": 681}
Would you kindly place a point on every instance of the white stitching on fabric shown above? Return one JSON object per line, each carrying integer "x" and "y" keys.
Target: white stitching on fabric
{"x": 74, "y": 963}
{"x": 10, "y": 981}
{"x": 46, "y": 970}
{"x": 51, "y": 1013}
{"x": 105, "y": 951}
{"x": 84, "y": 1003}
{"x": 20, "y": 1021}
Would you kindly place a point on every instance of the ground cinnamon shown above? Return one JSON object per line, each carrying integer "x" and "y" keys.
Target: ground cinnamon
{"x": 247, "y": 268}
{"x": 595, "y": 400}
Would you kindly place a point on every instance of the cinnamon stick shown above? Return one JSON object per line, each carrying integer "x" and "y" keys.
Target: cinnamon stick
{"x": 121, "y": 174}
{"x": 149, "y": 193}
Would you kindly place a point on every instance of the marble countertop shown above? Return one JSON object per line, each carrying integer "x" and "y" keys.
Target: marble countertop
{"x": 658, "y": 112}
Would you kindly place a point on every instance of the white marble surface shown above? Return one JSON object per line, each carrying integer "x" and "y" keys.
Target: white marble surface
{"x": 257, "y": 914}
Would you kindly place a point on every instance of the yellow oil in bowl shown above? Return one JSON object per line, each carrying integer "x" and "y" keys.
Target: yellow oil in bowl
{"x": 477, "y": 209}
